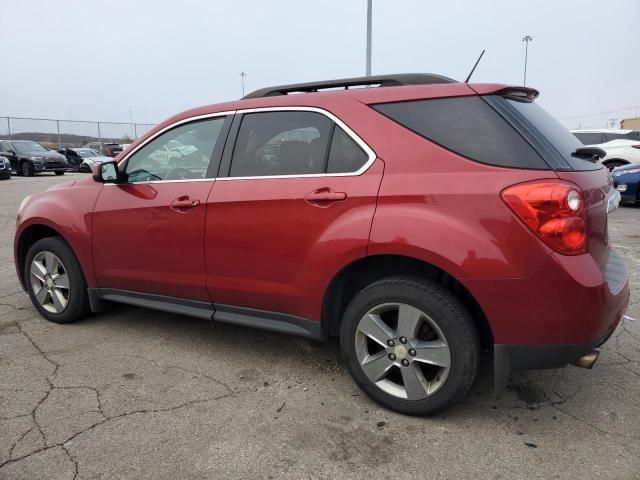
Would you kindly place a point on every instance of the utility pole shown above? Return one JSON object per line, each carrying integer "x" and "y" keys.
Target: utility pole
{"x": 526, "y": 39}
{"x": 242, "y": 75}
{"x": 369, "y": 7}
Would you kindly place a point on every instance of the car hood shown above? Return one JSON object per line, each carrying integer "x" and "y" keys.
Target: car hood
{"x": 624, "y": 168}
{"x": 62, "y": 185}
{"x": 100, "y": 159}
{"x": 43, "y": 154}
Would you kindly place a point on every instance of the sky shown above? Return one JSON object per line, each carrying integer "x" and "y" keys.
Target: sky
{"x": 149, "y": 59}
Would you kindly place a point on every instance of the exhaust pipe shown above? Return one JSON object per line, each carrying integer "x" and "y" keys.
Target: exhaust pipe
{"x": 588, "y": 360}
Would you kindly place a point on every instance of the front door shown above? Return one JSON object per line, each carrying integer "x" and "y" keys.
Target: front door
{"x": 297, "y": 202}
{"x": 148, "y": 230}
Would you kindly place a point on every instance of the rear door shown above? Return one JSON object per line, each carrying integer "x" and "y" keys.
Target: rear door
{"x": 294, "y": 202}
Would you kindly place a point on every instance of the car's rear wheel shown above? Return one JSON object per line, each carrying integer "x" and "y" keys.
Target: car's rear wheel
{"x": 410, "y": 345}
{"x": 55, "y": 281}
{"x": 26, "y": 168}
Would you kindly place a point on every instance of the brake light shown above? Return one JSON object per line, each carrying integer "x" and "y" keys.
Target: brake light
{"x": 554, "y": 210}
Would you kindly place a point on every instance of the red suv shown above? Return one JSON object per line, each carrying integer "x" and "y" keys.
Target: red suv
{"x": 419, "y": 219}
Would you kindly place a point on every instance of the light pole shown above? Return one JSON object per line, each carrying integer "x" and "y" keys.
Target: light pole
{"x": 369, "y": 6}
{"x": 526, "y": 39}
{"x": 242, "y": 75}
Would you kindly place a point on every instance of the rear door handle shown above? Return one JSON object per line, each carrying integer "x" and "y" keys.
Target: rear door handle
{"x": 184, "y": 203}
{"x": 323, "y": 197}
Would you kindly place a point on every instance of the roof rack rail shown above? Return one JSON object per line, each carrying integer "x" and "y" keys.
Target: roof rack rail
{"x": 393, "y": 80}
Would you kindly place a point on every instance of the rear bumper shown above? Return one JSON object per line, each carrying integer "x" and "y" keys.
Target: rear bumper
{"x": 514, "y": 358}
{"x": 561, "y": 312}
{"x": 569, "y": 300}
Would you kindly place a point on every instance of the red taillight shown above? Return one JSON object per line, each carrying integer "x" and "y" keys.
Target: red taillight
{"x": 554, "y": 210}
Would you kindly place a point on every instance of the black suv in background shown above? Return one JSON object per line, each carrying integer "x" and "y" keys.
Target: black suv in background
{"x": 28, "y": 157}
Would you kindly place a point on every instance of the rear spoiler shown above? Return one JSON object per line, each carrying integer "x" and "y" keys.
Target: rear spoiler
{"x": 519, "y": 93}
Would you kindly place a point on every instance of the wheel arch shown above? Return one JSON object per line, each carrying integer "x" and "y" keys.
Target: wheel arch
{"x": 27, "y": 238}
{"x": 355, "y": 276}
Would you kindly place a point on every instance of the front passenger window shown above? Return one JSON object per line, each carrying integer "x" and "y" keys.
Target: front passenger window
{"x": 181, "y": 153}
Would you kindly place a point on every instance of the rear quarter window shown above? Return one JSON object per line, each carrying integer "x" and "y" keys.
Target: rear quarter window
{"x": 467, "y": 126}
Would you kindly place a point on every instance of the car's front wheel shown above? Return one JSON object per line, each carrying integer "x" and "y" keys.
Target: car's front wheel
{"x": 26, "y": 168}
{"x": 411, "y": 345}
{"x": 55, "y": 281}
{"x": 59, "y": 173}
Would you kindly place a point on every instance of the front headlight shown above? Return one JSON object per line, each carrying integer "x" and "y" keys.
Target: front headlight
{"x": 23, "y": 203}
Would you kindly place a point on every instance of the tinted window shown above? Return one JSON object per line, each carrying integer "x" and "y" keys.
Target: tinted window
{"x": 590, "y": 138}
{"x": 622, "y": 136}
{"x": 345, "y": 155}
{"x": 468, "y": 126}
{"x": 181, "y": 153}
{"x": 280, "y": 143}
{"x": 554, "y": 132}
{"x": 4, "y": 147}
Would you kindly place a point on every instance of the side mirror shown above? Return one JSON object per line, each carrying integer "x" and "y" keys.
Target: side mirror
{"x": 106, "y": 172}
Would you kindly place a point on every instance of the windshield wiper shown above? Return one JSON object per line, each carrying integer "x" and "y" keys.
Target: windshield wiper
{"x": 593, "y": 152}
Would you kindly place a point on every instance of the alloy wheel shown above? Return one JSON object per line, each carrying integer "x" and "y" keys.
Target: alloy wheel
{"x": 402, "y": 351}
{"x": 49, "y": 282}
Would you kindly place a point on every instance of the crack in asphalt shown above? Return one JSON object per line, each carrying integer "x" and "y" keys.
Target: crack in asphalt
{"x": 64, "y": 444}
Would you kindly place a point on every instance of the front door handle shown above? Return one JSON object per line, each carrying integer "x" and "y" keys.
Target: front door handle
{"x": 323, "y": 197}
{"x": 184, "y": 203}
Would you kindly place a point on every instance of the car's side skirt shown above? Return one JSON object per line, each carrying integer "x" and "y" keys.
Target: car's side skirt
{"x": 248, "y": 317}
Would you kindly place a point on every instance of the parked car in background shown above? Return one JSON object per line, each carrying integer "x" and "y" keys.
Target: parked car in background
{"x": 622, "y": 147}
{"x": 109, "y": 149}
{"x": 420, "y": 219}
{"x": 626, "y": 179}
{"x": 5, "y": 168}
{"x": 83, "y": 159}
{"x": 596, "y": 136}
{"x": 28, "y": 157}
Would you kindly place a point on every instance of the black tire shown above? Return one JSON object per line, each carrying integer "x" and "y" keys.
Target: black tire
{"x": 26, "y": 168}
{"x": 59, "y": 173}
{"x": 78, "y": 302}
{"x": 451, "y": 317}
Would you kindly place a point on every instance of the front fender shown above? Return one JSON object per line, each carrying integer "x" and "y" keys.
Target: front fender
{"x": 67, "y": 211}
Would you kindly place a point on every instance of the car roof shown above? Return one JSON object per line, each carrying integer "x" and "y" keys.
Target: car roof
{"x": 328, "y": 97}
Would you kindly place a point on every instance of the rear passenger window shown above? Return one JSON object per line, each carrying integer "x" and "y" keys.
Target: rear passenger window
{"x": 467, "y": 126}
{"x": 345, "y": 155}
{"x": 281, "y": 143}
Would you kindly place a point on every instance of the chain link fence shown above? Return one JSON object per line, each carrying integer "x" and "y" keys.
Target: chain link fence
{"x": 69, "y": 133}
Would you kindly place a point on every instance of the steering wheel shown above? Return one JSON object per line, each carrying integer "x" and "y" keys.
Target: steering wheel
{"x": 179, "y": 173}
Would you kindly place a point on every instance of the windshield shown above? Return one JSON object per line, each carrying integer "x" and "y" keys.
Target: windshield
{"x": 24, "y": 147}
{"x": 87, "y": 153}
